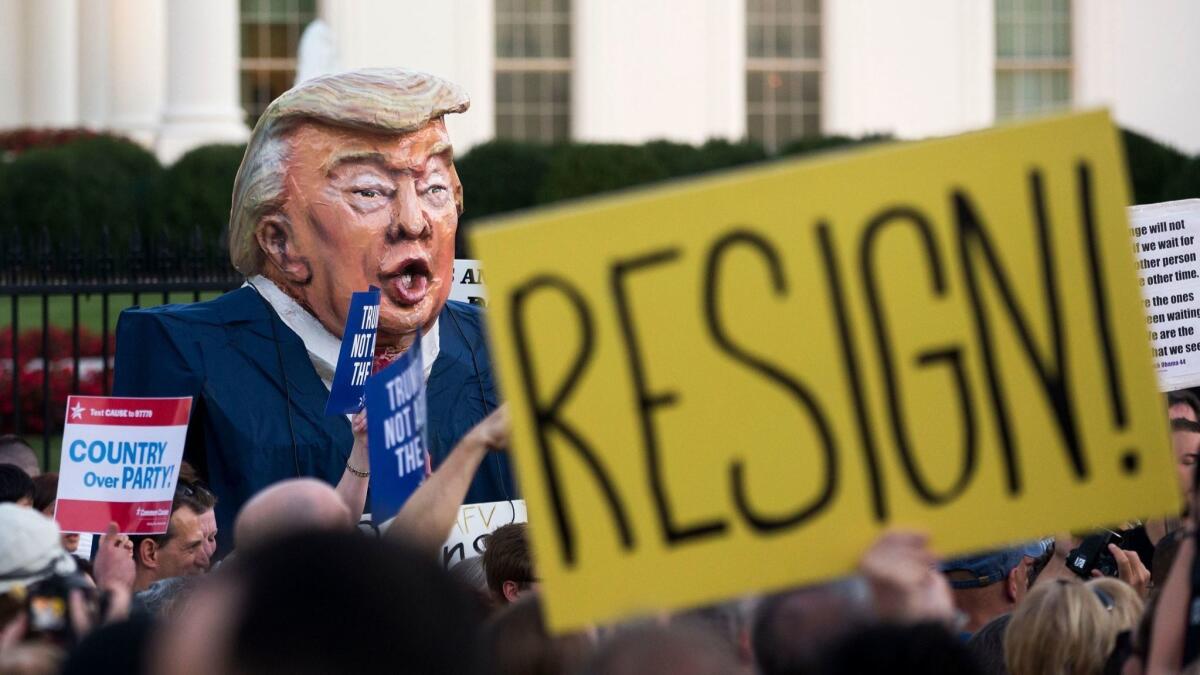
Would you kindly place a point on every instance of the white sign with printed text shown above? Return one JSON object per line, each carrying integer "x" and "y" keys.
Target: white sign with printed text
{"x": 474, "y": 523}
{"x": 468, "y": 282}
{"x": 1165, "y": 241}
{"x": 120, "y": 462}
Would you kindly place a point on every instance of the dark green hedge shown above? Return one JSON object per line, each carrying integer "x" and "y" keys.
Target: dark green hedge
{"x": 77, "y": 191}
{"x": 501, "y": 176}
{"x": 803, "y": 146}
{"x": 199, "y": 191}
{"x": 78, "y": 188}
{"x": 1152, "y": 166}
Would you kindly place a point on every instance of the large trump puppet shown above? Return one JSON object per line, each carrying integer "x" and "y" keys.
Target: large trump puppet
{"x": 348, "y": 181}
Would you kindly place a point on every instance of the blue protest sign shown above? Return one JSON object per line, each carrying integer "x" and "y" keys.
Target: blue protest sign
{"x": 396, "y": 432}
{"x": 357, "y": 354}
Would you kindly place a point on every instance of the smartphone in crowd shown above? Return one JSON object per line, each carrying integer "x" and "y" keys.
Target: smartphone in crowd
{"x": 1093, "y": 554}
{"x": 48, "y": 609}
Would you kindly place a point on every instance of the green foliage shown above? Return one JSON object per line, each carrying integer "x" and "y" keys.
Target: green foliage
{"x": 722, "y": 154}
{"x": 804, "y": 146}
{"x": 681, "y": 159}
{"x": 677, "y": 159}
{"x": 77, "y": 190}
{"x": 501, "y": 176}
{"x": 1185, "y": 183}
{"x": 199, "y": 190}
{"x": 1152, "y": 166}
{"x": 77, "y": 185}
{"x": 583, "y": 169}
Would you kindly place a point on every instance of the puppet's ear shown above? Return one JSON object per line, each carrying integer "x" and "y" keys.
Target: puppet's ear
{"x": 274, "y": 235}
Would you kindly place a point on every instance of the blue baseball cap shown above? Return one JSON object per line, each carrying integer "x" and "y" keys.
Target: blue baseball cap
{"x": 995, "y": 565}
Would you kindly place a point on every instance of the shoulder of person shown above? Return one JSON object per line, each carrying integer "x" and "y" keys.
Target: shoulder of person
{"x": 239, "y": 304}
{"x": 468, "y": 316}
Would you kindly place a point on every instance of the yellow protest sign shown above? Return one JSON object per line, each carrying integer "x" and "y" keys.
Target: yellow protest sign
{"x": 734, "y": 384}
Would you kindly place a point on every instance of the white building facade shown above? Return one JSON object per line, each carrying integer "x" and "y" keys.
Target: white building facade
{"x": 175, "y": 74}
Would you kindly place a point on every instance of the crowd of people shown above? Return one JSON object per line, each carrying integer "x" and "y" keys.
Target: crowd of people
{"x": 304, "y": 590}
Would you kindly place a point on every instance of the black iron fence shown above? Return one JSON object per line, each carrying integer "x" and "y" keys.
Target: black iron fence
{"x": 62, "y": 304}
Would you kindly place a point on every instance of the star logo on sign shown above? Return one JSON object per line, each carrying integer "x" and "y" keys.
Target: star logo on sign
{"x": 77, "y": 411}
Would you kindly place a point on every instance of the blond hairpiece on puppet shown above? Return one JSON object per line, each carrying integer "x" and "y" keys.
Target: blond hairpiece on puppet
{"x": 380, "y": 100}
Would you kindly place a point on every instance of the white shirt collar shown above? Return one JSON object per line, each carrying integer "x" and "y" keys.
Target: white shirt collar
{"x": 323, "y": 348}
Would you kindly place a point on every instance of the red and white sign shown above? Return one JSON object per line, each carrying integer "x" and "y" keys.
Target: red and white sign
{"x": 120, "y": 463}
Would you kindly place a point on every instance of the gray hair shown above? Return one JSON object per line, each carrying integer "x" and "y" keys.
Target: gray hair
{"x": 379, "y": 100}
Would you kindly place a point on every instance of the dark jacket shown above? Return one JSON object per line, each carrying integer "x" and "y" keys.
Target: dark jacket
{"x": 258, "y": 413}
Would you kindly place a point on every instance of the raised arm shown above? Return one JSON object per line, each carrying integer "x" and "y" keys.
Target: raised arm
{"x": 426, "y": 518}
{"x": 352, "y": 488}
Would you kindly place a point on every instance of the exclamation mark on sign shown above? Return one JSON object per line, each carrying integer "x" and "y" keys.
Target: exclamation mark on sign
{"x": 1130, "y": 459}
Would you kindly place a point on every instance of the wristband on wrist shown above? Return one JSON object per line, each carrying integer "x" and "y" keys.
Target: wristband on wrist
{"x": 356, "y": 472}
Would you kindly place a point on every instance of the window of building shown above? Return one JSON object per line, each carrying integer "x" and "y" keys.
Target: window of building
{"x": 1033, "y": 56}
{"x": 783, "y": 70}
{"x": 533, "y": 70}
{"x": 271, "y": 32}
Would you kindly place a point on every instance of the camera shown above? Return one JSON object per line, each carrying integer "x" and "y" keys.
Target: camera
{"x": 48, "y": 608}
{"x": 1093, "y": 554}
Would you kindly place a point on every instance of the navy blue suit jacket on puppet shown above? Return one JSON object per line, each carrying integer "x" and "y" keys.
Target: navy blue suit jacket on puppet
{"x": 240, "y": 362}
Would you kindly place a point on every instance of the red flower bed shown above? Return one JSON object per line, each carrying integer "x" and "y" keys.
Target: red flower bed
{"x": 33, "y": 419}
{"x": 15, "y": 142}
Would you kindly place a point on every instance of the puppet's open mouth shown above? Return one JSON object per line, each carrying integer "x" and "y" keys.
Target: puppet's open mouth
{"x": 411, "y": 283}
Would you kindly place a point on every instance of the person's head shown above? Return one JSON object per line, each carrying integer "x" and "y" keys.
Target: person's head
{"x": 289, "y": 506}
{"x": 1126, "y": 605}
{"x": 161, "y": 598}
{"x": 986, "y": 586}
{"x": 507, "y": 563}
{"x": 45, "y": 493}
{"x": 195, "y": 490}
{"x": 118, "y": 647}
{"x": 348, "y": 181}
{"x": 1185, "y": 437}
{"x": 323, "y": 602}
{"x": 926, "y": 648}
{"x": 987, "y": 646}
{"x": 1183, "y": 404}
{"x": 16, "y": 486}
{"x": 14, "y": 450}
{"x": 792, "y": 632}
{"x": 1164, "y": 556}
{"x": 30, "y": 550}
{"x": 45, "y": 499}
{"x": 1063, "y": 626}
{"x": 179, "y": 551}
{"x": 517, "y": 643}
{"x": 725, "y": 621}
{"x": 666, "y": 650}
{"x": 470, "y": 575}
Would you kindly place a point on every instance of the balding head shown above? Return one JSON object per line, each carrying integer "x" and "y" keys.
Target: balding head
{"x": 294, "y": 505}
{"x": 793, "y": 631}
{"x": 663, "y": 650}
{"x": 14, "y": 450}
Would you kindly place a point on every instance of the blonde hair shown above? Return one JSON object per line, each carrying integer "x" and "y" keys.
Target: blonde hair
{"x": 1060, "y": 628}
{"x": 379, "y": 100}
{"x": 1128, "y": 606}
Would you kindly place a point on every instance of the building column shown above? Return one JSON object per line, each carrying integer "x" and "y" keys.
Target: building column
{"x": 12, "y": 63}
{"x": 202, "y": 78}
{"x": 94, "y": 35}
{"x": 136, "y": 70}
{"x": 52, "y": 60}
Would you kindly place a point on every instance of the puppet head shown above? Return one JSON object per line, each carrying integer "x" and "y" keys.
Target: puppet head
{"x": 348, "y": 181}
